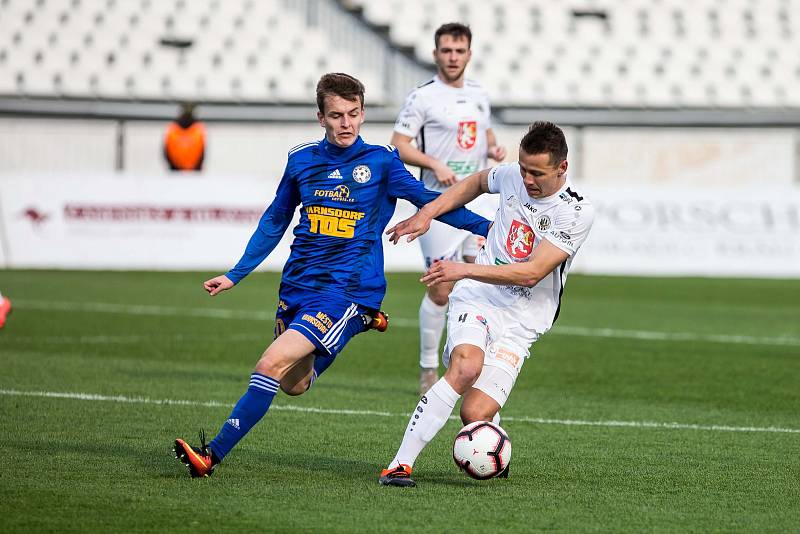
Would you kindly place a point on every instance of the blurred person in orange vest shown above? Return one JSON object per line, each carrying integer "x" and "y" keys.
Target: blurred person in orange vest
{"x": 185, "y": 141}
{"x": 5, "y": 309}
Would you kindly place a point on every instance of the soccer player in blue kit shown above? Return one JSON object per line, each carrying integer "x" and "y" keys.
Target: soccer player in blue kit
{"x": 333, "y": 282}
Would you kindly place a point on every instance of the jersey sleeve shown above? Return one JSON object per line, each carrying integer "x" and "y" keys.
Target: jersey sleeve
{"x": 412, "y": 115}
{"x": 571, "y": 226}
{"x": 402, "y": 184}
{"x": 495, "y": 179}
{"x": 271, "y": 227}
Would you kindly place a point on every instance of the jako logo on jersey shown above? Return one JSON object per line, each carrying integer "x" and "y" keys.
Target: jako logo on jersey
{"x": 362, "y": 174}
{"x": 340, "y": 193}
{"x": 467, "y": 134}
{"x": 332, "y": 221}
{"x": 336, "y": 175}
{"x": 519, "y": 242}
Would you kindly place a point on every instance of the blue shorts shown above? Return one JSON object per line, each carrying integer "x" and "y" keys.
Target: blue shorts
{"x": 326, "y": 320}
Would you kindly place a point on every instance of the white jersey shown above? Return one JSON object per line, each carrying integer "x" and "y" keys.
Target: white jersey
{"x": 449, "y": 124}
{"x": 522, "y": 222}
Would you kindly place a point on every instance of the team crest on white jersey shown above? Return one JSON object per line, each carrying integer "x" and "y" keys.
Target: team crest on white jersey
{"x": 519, "y": 242}
{"x": 543, "y": 223}
{"x": 362, "y": 174}
{"x": 467, "y": 134}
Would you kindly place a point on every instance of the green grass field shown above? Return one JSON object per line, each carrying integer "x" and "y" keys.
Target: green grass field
{"x": 654, "y": 405}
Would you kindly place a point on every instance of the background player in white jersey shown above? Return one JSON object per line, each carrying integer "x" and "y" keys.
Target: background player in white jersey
{"x": 448, "y": 116}
{"x": 510, "y": 296}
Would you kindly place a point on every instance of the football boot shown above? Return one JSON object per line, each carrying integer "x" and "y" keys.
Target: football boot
{"x": 398, "y": 476}
{"x": 199, "y": 460}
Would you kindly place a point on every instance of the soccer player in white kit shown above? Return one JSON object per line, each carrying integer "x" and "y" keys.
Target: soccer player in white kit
{"x": 449, "y": 118}
{"x": 510, "y": 296}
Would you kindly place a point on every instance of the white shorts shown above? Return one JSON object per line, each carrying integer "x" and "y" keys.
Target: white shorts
{"x": 443, "y": 242}
{"x": 499, "y": 333}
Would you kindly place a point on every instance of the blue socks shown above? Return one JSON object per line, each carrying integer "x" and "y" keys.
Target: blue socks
{"x": 247, "y": 412}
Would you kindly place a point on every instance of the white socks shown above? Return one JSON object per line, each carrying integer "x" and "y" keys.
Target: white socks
{"x": 432, "y": 319}
{"x": 428, "y": 418}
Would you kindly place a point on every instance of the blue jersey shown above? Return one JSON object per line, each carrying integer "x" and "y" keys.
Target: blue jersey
{"x": 348, "y": 196}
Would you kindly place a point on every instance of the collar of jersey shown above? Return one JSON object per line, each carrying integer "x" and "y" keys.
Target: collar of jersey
{"x": 450, "y": 87}
{"x": 551, "y": 198}
{"x": 337, "y": 151}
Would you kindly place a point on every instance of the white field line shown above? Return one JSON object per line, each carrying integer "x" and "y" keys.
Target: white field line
{"x": 371, "y": 413}
{"x": 399, "y": 322}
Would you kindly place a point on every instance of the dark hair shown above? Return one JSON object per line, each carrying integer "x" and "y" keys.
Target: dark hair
{"x": 545, "y": 138}
{"x": 454, "y": 29}
{"x": 339, "y": 84}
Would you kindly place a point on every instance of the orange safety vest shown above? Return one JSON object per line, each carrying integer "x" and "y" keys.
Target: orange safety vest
{"x": 185, "y": 146}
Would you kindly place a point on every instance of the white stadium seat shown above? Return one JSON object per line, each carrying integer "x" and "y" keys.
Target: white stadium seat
{"x": 574, "y": 53}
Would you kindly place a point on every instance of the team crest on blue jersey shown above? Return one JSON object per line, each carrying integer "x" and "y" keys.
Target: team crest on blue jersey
{"x": 362, "y": 174}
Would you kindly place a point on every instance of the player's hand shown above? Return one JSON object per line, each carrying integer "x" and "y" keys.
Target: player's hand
{"x": 444, "y": 271}
{"x": 217, "y": 284}
{"x": 497, "y": 153}
{"x": 444, "y": 174}
{"x": 413, "y": 227}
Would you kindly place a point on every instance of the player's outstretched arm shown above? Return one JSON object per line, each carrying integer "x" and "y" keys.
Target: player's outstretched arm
{"x": 218, "y": 284}
{"x": 546, "y": 257}
{"x": 455, "y": 197}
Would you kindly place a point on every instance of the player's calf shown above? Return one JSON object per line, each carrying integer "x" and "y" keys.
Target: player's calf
{"x": 478, "y": 406}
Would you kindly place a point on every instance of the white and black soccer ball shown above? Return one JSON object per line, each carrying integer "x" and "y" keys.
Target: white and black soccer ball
{"x": 482, "y": 450}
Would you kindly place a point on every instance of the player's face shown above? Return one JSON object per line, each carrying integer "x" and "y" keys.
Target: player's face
{"x": 342, "y": 120}
{"x": 540, "y": 176}
{"x": 451, "y": 57}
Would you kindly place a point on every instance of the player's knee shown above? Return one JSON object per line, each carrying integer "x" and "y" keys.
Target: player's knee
{"x": 439, "y": 295}
{"x": 270, "y": 364}
{"x": 465, "y": 368}
{"x": 298, "y": 388}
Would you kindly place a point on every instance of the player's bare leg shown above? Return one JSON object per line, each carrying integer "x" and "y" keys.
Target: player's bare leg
{"x": 298, "y": 379}
{"x": 432, "y": 319}
{"x": 432, "y": 412}
{"x": 281, "y": 357}
{"x": 478, "y": 406}
{"x": 284, "y": 353}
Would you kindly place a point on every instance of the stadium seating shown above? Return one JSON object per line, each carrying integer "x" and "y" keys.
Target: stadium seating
{"x": 576, "y": 53}
{"x": 211, "y": 50}
{"x": 615, "y": 53}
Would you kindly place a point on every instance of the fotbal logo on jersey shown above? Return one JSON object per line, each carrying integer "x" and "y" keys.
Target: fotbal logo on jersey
{"x": 519, "y": 242}
{"x": 340, "y": 193}
{"x": 362, "y": 174}
{"x": 467, "y": 134}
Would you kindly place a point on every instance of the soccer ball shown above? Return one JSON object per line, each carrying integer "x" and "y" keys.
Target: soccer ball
{"x": 482, "y": 450}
